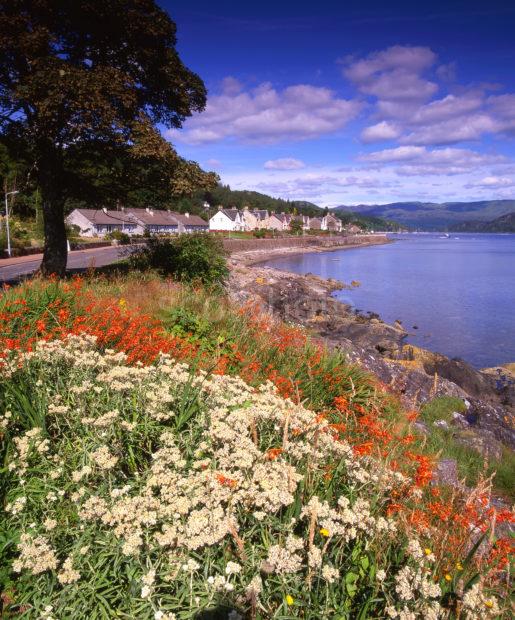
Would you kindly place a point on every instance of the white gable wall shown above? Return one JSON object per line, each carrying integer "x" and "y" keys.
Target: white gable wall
{"x": 87, "y": 228}
{"x": 220, "y": 221}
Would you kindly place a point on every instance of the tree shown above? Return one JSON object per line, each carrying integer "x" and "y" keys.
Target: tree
{"x": 74, "y": 74}
{"x": 296, "y": 225}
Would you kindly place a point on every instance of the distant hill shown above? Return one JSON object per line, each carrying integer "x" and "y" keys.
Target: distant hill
{"x": 505, "y": 223}
{"x": 432, "y": 215}
{"x": 226, "y": 197}
{"x": 368, "y": 222}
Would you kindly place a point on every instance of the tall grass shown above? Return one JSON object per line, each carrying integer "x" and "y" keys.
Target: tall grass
{"x": 352, "y": 440}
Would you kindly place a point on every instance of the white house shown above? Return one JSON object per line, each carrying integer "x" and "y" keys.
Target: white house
{"x": 332, "y": 223}
{"x": 227, "y": 219}
{"x": 274, "y": 222}
{"x": 99, "y": 222}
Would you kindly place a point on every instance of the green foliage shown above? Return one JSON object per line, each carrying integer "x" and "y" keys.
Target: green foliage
{"x": 20, "y": 235}
{"x": 260, "y": 233}
{"x": 366, "y": 222}
{"x": 471, "y": 464}
{"x": 442, "y": 408}
{"x": 100, "y": 79}
{"x": 188, "y": 257}
{"x": 225, "y": 197}
{"x": 119, "y": 236}
{"x": 296, "y": 226}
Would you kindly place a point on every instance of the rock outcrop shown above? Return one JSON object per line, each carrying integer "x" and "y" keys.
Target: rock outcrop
{"x": 417, "y": 375}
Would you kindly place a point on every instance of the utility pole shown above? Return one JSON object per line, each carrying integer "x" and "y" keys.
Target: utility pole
{"x": 7, "y": 194}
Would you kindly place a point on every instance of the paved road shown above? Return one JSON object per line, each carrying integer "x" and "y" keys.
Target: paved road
{"x": 13, "y": 269}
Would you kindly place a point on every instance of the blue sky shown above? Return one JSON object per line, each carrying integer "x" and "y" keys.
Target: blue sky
{"x": 353, "y": 102}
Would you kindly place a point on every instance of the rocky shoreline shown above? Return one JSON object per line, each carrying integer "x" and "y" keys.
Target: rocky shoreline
{"x": 416, "y": 375}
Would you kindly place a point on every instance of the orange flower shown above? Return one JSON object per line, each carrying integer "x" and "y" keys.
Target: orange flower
{"x": 341, "y": 403}
{"x": 225, "y": 481}
{"x": 273, "y": 453}
{"x": 363, "y": 448}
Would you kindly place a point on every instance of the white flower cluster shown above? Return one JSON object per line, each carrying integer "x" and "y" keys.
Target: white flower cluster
{"x": 229, "y": 472}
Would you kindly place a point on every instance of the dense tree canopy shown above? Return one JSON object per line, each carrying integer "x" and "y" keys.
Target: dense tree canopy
{"x": 88, "y": 81}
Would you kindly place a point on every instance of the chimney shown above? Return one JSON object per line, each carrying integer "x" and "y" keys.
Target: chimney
{"x": 186, "y": 215}
{"x": 104, "y": 209}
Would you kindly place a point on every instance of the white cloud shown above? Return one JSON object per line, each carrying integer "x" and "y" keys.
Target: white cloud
{"x": 459, "y": 129}
{"x": 502, "y": 107}
{"x": 286, "y": 163}
{"x": 213, "y": 163}
{"x": 405, "y": 109}
{"x": 231, "y": 86}
{"x": 267, "y": 115}
{"x": 451, "y": 106}
{"x": 394, "y": 74}
{"x": 492, "y": 182}
{"x": 314, "y": 185}
{"x": 379, "y": 132}
{"x": 420, "y": 161}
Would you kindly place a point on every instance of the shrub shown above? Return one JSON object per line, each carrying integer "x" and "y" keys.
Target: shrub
{"x": 188, "y": 257}
{"x": 296, "y": 227}
{"x": 260, "y": 234}
{"x": 121, "y": 237}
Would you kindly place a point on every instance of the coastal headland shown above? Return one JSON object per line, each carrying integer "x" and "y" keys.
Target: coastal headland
{"x": 416, "y": 375}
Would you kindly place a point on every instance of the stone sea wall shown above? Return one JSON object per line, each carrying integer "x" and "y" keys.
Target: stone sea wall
{"x": 251, "y": 245}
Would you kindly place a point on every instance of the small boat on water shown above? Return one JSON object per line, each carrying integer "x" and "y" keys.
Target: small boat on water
{"x": 445, "y": 236}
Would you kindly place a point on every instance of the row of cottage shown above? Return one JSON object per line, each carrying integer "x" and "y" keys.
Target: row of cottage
{"x": 247, "y": 219}
{"x": 100, "y": 222}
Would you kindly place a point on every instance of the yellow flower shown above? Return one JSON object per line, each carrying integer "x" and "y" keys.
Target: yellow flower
{"x": 289, "y": 600}
{"x": 489, "y": 604}
{"x": 427, "y": 551}
{"x": 122, "y": 302}
{"x": 459, "y": 565}
{"x": 447, "y": 577}
{"x": 324, "y": 532}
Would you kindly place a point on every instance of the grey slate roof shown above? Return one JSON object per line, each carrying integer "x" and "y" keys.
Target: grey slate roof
{"x": 154, "y": 217}
{"x": 190, "y": 220}
{"x": 99, "y": 217}
{"x": 230, "y": 213}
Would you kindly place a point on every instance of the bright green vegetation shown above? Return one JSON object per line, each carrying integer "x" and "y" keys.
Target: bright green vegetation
{"x": 192, "y": 258}
{"x": 442, "y": 408}
{"x": 471, "y": 464}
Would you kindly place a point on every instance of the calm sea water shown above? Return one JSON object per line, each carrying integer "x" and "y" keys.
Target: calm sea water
{"x": 458, "y": 291}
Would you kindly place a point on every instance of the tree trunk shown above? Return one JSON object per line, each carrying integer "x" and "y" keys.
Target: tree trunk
{"x": 55, "y": 253}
